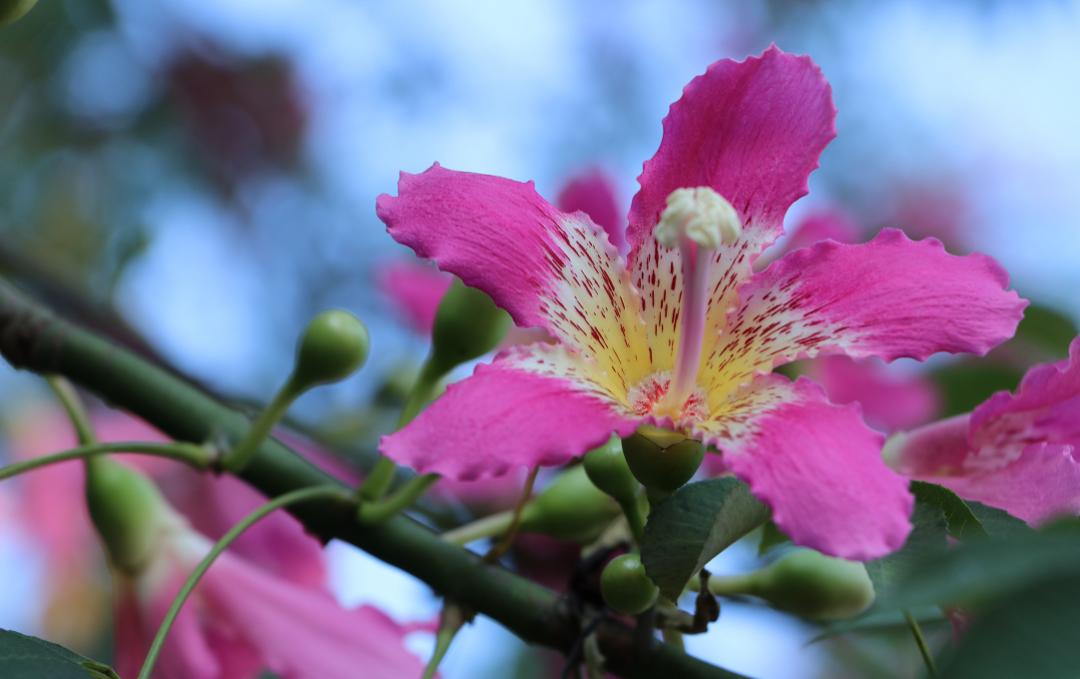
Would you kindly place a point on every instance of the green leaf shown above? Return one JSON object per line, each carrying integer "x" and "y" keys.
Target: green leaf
{"x": 980, "y": 571}
{"x": 1047, "y": 329}
{"x": 771, "y": 536}
{"x": 694, "y": 524}
{"x": 1035, "y": 632}
{"x": 966, "y": 383}
{"x": 997, "y": 522}
{"x": 882, "y": 622}
{"x": 25, "y": 657}
{"x": 960, "y": 520}
{"x": 927, "y": 539}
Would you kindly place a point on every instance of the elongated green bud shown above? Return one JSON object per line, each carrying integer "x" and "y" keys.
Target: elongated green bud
{"x": 334, "y": 346}
{"x": 625, "y": 586}
{"x": 570, "y": 508}
{"x": 662, "y": 460}
{"x": 467, "y": 326}
{"x": 128, "y": 512}
{"x": 13, "y": 10}
{"x": 806, "y": 583}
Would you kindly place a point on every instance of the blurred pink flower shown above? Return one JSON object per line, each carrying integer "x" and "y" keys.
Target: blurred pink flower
{"x": 241, "y": 620}
{"x": 685, "y": 336}
{"x": 51, "y": 499}
{"x": 1018, "y": 452}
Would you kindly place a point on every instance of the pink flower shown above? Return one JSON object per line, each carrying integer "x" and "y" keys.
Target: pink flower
{"x": 241, "y": 620}
{"x": 683, "y": 333}
{"x": 52, "y": 500}
{"x": 890, "y": 400}
{"x": 416, "y": 289}
{"x": 1016, "y": 451}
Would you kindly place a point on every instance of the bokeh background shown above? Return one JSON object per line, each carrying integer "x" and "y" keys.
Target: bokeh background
{"x": 198, "y": 179}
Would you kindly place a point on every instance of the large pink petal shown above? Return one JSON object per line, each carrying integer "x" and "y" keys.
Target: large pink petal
{"x": 300, "y": 633}
{"x": 890, "y": 400}
{"x": 816, "y": 464}
{"x": 533, "y": 406}
{"x": 593, "y": 193}
{"x": 1041, "y": 484}
{"x": 550, "y": 270}
{"x": 751, "y": 130}
{"x": 416, "y": 290}
{"x": 891, "y": 297}
{"x": 1045, "y": 408}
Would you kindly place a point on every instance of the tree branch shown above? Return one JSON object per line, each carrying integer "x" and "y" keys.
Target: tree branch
{"x": 32, "y": 338}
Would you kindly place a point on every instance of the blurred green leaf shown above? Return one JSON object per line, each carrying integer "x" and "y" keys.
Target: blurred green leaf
{"x": 26, "y": 657}
{"x": 697, "y": 522}
{"x": 967, "y": 383}
{"x": 927, "y": 540}
{"x": 1047, "y": 330}
{"x": 1035, "y": 632}
{"x": 983, "y": 570}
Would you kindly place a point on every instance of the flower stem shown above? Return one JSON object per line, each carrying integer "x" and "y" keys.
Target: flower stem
{"x": 194, "y": 455}
{"x": 295, "y": 497}
{"x": 507, "y": 539}
{"x": 241, "y": 454}
{"x": 381, "y": 510}
{"x": 381, "y": 477}
{"x": 920, "y": 641}
{"x": 632, "y": 511}
{"x": 487, "y": 527}
{"x": 67, "y": 396}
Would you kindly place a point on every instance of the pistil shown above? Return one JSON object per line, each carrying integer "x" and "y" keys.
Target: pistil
{"x": 697, "y": 221}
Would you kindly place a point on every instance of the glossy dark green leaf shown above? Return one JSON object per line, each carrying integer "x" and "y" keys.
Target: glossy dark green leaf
{"x": 26, "y": 657}
{"x": 698, "y": 521}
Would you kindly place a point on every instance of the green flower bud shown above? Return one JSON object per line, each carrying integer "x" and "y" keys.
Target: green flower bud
{"x": 13, "y": 10}
{"x": 625, "y": 586}
{"x": 607, "y": 468}
{"x": 570, "y": 508}
{"x": 334, "y": 346}
{"x": 662, "y": 460}
{"x": 128, "y": 512}
{"x": 467, "y": 326}
{"x": 808, "y": 584}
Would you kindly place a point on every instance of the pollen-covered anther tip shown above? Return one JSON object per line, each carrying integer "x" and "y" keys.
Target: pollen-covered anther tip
{"x": 699, "y": 214}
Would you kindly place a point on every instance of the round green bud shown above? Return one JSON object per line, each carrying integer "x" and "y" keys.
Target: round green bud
{"x": 128, "y": 512}
{"x": 814, "y": 586}
{"x": 607, "y": 468}
{"x": 467, "y": 326}
{"x": 13, "y": 10}
{"x": 334, "y": 346}
{"x": 662, "y": 460}
{"x": 626, "y": 587}
{"x": 570, "y": 508}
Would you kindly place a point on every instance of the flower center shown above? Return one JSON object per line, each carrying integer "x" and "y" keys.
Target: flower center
{"x": 696, "y": 221}
{"x": 647, "y": 397}
{"x": 701, "y": 216}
